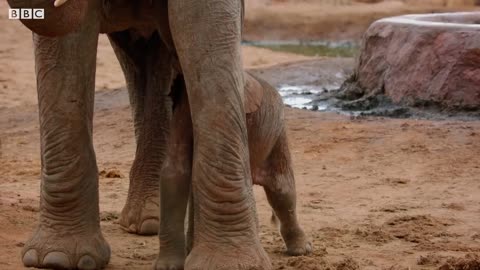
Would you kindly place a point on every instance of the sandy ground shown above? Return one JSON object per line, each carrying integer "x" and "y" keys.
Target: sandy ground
{"x": 327, "y": 19}
{"x": 373, "y": 193}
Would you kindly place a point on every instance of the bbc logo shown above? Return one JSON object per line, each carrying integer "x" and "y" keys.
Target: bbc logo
{"x": 26, "y": 13}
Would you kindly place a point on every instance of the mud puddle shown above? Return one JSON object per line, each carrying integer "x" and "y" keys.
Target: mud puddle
{"x": 303, "y": 96}
{"x": 325, "y": 98}
{"x": 314, "y": 85}
{"x": 328, "y": 98}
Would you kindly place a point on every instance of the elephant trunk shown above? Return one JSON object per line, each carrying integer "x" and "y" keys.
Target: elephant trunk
{"x": 60, "y": 17}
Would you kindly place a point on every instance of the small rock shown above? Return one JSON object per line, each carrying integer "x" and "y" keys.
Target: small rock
{"x": 30, "y": 208}
{"x": 111, "y": 174}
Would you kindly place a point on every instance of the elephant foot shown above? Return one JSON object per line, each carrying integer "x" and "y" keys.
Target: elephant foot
{"x": 188, "y": 244}
{"x": 140, "y": 216}
{"x": 169, "y": 262}
{"x": 227, "y": 257}
{"x": 66, "y": 251}
{"x": 297, "y": 242}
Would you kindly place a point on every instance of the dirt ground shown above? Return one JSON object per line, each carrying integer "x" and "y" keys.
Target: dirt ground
{"x": 328, "y": 19}
{"x": 373, "y": 193}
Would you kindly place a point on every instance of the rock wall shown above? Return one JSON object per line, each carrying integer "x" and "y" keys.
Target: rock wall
{"x": 421, "y": 60}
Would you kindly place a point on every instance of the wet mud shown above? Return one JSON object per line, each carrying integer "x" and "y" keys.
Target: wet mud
{"x": 326, "y": 85}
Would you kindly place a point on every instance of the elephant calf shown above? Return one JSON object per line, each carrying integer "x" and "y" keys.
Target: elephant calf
{"x": 270, "y": 164}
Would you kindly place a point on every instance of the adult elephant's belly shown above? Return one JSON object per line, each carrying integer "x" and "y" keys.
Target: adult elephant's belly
{"x": 120, "y": 15}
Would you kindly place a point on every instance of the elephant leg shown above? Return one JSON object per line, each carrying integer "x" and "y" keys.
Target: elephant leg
{"x": 279, "y": 186}
{"x": 175, "y": 184}
{"x": 206, "y": 34}
{"x": 190, "y": 228}
{"x": 147, "y": 66}
{"x": 68, "y": 235}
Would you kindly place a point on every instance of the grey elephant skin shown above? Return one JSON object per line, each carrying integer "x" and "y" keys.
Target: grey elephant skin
{"x": 270, "y": 164}
{"x": 149, "y": 37}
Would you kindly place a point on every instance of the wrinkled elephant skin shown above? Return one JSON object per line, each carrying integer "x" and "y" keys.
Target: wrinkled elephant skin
{"x": 149, "y": 38}
{"x": 269, "y": 159}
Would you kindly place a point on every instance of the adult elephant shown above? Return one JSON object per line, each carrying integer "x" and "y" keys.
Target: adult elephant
{"x": 203, "y": 37}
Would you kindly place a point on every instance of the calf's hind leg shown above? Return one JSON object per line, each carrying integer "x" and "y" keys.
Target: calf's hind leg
{"x": 175, "y": 183}
{"x": 279, "y": 186}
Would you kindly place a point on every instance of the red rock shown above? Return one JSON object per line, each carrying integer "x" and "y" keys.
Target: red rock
{"x": 423, "y": 59}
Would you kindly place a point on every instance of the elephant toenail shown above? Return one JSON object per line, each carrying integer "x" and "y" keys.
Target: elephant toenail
{"x": 149, "y": 227}
{"x": 57, "y": 259}
{"x": 132, "y": 228}
{"x": 86, "y": 262}
{"x": 30, "y": 259}
{"x": 309, "y": 248}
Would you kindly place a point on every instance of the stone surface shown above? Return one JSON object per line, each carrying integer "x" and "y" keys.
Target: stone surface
{"x": 422, "y": 60}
